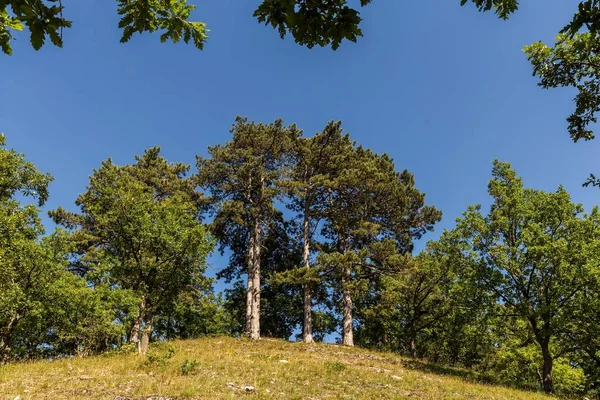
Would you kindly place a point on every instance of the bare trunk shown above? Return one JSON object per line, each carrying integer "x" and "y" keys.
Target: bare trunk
{"x": 253, "y": 295}
{"x": 256, "y": 287}
{"x": 307, "y": 325}
{"x": 249, "y": 290}
{"x": 547, "y": 367}
{"x": 146, "y": 334}
{"x": 134, "y": 335}
{"x": 347, "y": 331}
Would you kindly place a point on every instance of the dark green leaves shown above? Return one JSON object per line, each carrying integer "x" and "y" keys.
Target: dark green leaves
{"x": 42, "y": 18}
{"x": 502, "y": 8}
{"x": 313, "y": 22}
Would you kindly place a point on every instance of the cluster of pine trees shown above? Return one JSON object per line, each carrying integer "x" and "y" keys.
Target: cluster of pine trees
{"x": 319, "y": 233}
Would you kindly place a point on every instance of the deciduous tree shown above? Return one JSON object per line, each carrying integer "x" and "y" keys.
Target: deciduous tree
{"x": 537, "y": 253}
{"x": 139, "y": 230}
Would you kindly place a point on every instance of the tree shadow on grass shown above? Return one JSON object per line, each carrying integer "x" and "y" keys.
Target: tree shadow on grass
{"x": 463, "y": 374}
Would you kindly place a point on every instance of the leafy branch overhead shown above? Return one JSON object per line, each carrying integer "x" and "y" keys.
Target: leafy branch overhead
{"x": 45, "y": 19}
{"x": 310, "y": 22}
{"x": 573, "y": 60}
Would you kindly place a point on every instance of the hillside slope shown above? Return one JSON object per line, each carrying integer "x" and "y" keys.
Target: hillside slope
{"x": 229, "y": 368}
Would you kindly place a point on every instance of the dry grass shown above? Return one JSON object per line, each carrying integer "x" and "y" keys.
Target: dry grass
{"x": 229, "y": 368}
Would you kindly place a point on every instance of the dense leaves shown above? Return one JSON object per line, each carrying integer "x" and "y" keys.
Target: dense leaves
{"x": 139, "y": 231}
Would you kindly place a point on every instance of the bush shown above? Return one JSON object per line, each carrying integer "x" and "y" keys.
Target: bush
{"x": 188, "y": 366}
{"x": 159, "y": 354}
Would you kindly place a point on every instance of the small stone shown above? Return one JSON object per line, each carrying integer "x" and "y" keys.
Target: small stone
{"x": 396, "y": 377}
{"x": 284, "y": 361}
{"x": 249, "y": 388}
{"x": 17, "y": 398}
{"x": 231, "y": 385}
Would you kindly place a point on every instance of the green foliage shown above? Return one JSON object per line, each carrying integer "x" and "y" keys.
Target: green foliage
{"x": 573, "y": 61}
{"x": 322, "y": 22}
{"x": 335, "y": 366}
{"x": 169, "y": 16}
{"x": 196, "y": 312}
{"x": 536, "y": 253}
{"x": 139, "y": 231}
{"x": 518, "y": 364}
{"x": 159, "y": 354}
{"x": 20, "y": 176}
{"x": 44, "y": 308}
{"x": 188, "y": 366}
{"x": 42, "y": 18}
{"x": 502, "y": 8}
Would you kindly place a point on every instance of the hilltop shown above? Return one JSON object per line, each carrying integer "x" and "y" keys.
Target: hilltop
{"x": 224, "y": 368}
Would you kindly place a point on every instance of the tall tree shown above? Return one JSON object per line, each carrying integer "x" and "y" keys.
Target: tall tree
{"x": 243, "y": 178}
{"x": 139, "y": 230}
{"x": 373, "y": 215}
{"x": 537, "y": 252}
{"x": 316, "y": 163}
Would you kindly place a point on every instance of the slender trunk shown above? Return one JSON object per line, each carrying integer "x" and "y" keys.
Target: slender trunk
{"x": 146, "y": 335}
{"x": 412, "y": 345}
{"x": 347, "y": 331}
{"x": 547, "y": 367}
{"x": 6, "y": 340}
{"x": 134, "y": 335}
{"x": 253, "y": 294}
{"x": 249, "y": 291}
{"x": 307, "y": 327}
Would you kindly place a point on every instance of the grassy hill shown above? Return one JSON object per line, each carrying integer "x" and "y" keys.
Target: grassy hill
{"x": 228, "y": 368}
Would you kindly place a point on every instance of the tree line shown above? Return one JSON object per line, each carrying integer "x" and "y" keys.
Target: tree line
{"x": 320, "y": 236}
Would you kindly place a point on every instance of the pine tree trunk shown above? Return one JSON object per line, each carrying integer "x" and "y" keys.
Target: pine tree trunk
{"x": 249, "y": 290}
{"x": 347, "y": 329}
{"x": 547, "y": 367}
{"x": 253, "y": 296}
{"x": 307, "y": 325}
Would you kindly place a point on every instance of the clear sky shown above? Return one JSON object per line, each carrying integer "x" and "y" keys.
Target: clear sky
{"x": 441, "y": 88}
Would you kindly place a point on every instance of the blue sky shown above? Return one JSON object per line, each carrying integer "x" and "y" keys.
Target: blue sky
{"x": 441, "y": 88}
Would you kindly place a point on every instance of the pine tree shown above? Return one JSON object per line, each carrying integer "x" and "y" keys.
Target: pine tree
{"x": 373, "y": 215}
{"x": 243, "y": 178}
